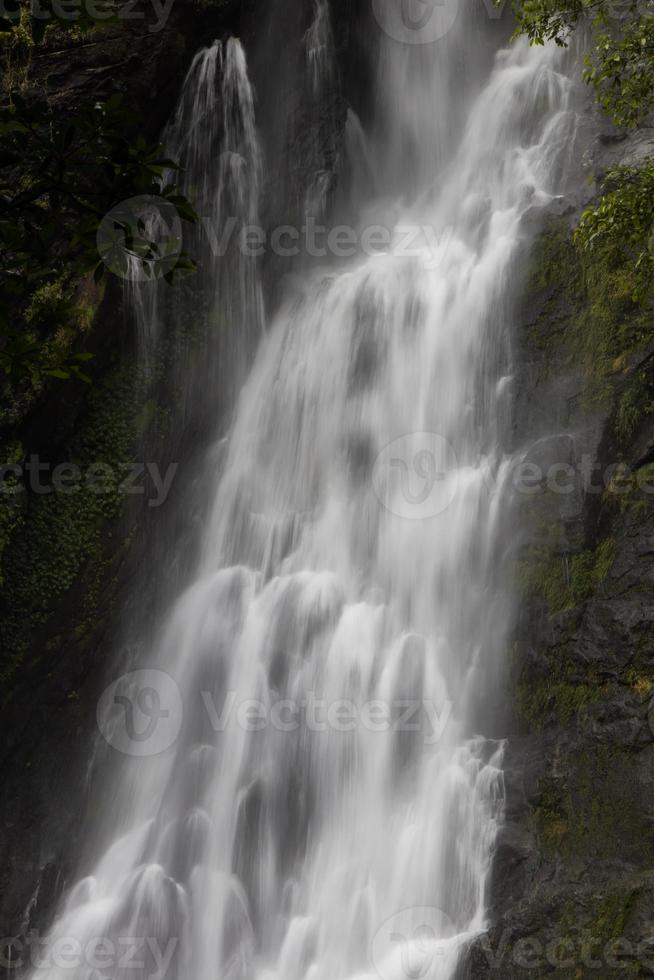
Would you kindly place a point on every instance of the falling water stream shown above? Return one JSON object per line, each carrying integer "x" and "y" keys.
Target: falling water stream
{"x": 328, "y": 808}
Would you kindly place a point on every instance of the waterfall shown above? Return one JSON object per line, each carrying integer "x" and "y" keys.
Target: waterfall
{"x": 319, "y": 43}
{"x": 216, "y": 317}
{"x": 318, "y": 800}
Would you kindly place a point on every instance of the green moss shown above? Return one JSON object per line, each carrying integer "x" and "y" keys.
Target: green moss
{"x": 19, "y": 38}
{"x": 551, "y": 290}
{"x": 558, "y": 698}
{"x": 48, "y": 302}
{"x": 634, "y": 405}
{"x": 609, "y": 325}
{"x": 564, "y": 583}
{"x": 16, "y": 47}
{"x": 612, "y": 914}
{"x": 550, "y": 263}
{"x": 549, "y": 819}
{"x": 632, "y": 490}
{"x": 596, "y": 811}
{"x": 589, "y": 569}
{"x": 597, "y": 929}
{"x": 563, "y": 688}
{"x": 588, "y": 314}
{"x": 63, "y": 534}
{"x": 559, "y": 693}
{"x": 11, "y": 509}
{"x": 640, "y": 682}
{"x": 60, "y": 553}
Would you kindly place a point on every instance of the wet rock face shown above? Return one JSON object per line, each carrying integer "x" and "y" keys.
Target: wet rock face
{"x": 572, "y": 889}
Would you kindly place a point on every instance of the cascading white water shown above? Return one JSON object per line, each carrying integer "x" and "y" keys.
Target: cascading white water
{"x": 329, "y": 810}
{"x": 212, "y": 137}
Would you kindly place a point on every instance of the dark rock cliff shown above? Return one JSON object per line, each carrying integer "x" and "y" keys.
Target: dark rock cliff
{"x": 573, "y": 882}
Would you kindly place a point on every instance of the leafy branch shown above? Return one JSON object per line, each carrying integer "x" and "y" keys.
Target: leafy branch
{"x": 620, "y": 68}
{"x": 60, "y": 181}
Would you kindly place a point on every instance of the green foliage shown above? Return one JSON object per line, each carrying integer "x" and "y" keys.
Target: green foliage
{"x": 620, "y": 65}
{"x": 25, "y": 23}
{"x": 636, "y": 403}
{"x": 620, "y": 229}
{"x": 565, "y": 584}
{"x": 620, "y": 68}
{"x": 593, "y": 315}
{"x": 610, "y": 324}
{"x": 61, "y": 552}
{"x": 58, "y": 180}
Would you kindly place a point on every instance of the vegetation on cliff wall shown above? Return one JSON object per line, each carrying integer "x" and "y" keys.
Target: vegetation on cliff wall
{"x": 70, "y": 157}
{"x": 583, "y": 664}
{"x": 59, "y": 179}
{"x": 617, "y": 231}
